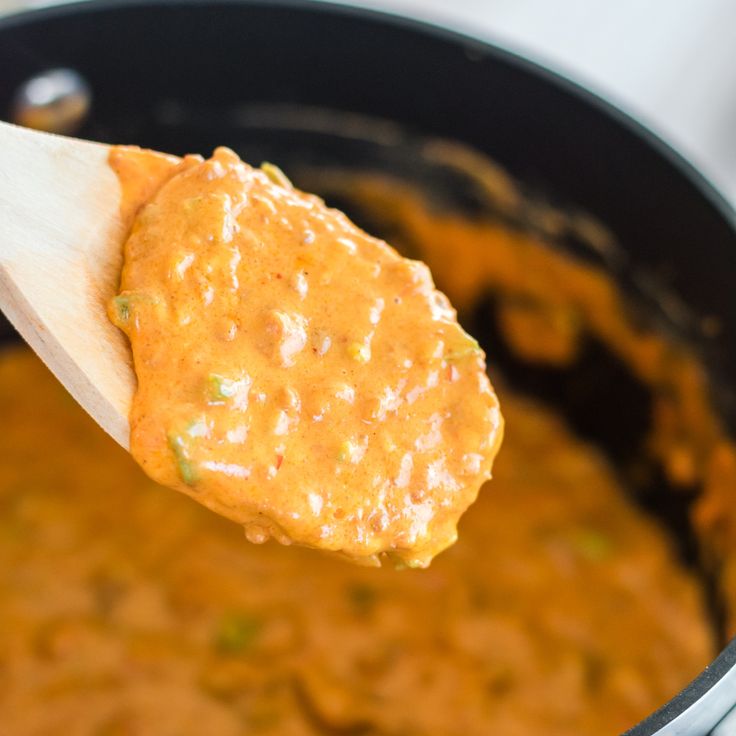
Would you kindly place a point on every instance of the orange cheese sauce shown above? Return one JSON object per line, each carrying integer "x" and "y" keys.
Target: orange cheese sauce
{"x": 126, "y": 610}
{"x": 563, "y": 609}
{"x": 295, "y": 374}
{"x": 548, "y": 304}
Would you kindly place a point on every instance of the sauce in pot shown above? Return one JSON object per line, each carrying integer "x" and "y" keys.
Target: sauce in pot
{"x": 564, "y": 608}
{"x": 126, "y": 610}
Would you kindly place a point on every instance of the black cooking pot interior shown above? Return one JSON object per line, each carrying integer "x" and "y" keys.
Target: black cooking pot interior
{"x": 308, "y": 85}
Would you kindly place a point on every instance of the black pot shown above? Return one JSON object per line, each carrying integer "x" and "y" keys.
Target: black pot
{"x": 184, "y": 75}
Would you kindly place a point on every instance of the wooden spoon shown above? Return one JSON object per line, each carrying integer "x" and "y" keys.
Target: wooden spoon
{"x": 61, "y": 239}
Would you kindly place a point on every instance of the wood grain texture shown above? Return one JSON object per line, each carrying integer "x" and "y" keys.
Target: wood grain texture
{"x": 61, "y": 239}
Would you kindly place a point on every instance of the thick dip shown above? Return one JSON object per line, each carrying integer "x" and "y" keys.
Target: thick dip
{"x": 295, "y": 374}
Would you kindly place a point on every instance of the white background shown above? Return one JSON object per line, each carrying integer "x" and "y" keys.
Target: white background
{"x": 671, "y": 63}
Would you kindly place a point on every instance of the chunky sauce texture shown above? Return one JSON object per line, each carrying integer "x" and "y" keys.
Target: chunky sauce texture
{"x": 295, "y": 374}
{"x": 126, "y": 610}
{"x": 548, "y": 305}
{"x": 563, "y": 609}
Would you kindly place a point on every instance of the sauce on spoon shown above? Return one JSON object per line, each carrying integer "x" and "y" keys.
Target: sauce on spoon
{"x": 294, "y": 373}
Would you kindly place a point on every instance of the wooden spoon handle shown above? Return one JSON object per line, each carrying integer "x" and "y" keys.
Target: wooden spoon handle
{"x": 60, "y": 257}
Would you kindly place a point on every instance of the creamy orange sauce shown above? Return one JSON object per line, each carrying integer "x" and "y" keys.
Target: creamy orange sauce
{"x": 295, "y": 374}
{"x": 562, "y": 610}
{"x": 125, "y": 610}
{"x": 548, "y": 303}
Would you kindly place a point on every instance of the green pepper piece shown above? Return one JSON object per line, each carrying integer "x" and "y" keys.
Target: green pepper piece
{"x": 592, "y": 544}
{"x": 471, "y": 348}
{"x": 237, "y": 632}
{"x": 220, "y": 388}
{"x": 180, "y": 447}
{"x": 277, "y": 176}
{"x": 122, "y": 307}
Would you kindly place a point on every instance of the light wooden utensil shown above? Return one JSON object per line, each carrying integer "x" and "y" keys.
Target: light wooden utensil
{"x": 61, "y": 239}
